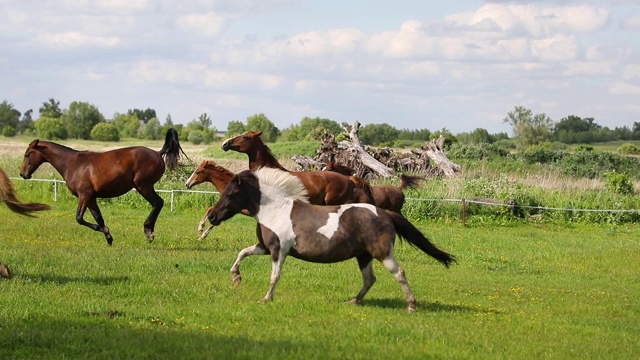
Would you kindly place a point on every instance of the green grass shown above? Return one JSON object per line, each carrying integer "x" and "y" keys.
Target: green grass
{"x": 523, "y": 291}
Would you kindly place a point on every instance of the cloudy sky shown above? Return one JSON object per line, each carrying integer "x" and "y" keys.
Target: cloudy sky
{"x": 459, "y": 65}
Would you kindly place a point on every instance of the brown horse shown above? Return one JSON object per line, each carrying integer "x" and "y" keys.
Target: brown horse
{"x": 388, "y": 197}
{"x": 91, "y": 175}
{"x": 289, "y": 225}
{"x": 8, "y": 196}
{"x": 324, "y": 188}
{"x": 219, "y": 176}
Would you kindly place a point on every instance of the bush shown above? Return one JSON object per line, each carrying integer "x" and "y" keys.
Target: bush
{"x": 8, "y": 131}
{"x": 628, "y": 149}
{"x": 105, "y": 132}
{"x": 618, "y": 183}
{"x": 196, "y": 137}
{"x": 542, "y": 153}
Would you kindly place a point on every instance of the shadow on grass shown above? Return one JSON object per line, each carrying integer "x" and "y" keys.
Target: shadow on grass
{"x": 117, "y": 339}
{"x": 61, "y": 280}
{"x": 398, "y": 303}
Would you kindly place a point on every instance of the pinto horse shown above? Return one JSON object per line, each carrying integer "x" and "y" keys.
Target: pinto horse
{"x": 8, "y": 196}
{"x": 289, "y": 225}
{"x": 324, "y": 188}
{"x": 217, "y": 175}
{"x": 388, "y": 197}
{"x": 91, "y": 175}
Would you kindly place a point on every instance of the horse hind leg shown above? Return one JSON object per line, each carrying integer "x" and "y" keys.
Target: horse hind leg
{"x": 394, "y": 268}
{"x": 277, "y": 262}
{"x": 368, "y": 278}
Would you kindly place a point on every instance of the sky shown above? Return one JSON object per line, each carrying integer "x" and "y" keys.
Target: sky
{"x": 459, "y": 65}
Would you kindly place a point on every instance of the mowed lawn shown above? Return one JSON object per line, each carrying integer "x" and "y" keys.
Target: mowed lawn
{"x": 520, "y": 292}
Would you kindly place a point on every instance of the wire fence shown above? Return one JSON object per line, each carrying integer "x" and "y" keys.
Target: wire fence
{"x": 463, "y": 202}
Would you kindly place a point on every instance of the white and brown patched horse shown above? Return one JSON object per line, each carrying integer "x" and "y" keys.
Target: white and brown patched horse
{"x": 289, "y": 225}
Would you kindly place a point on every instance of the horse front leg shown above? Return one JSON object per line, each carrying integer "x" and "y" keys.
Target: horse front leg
{"x": 83, "y": 204}
{"x": 257, "y": 249}
{"x": 204, "y": 220}
{"x": 156, "y": 203}
{"x": 277, "y": 260}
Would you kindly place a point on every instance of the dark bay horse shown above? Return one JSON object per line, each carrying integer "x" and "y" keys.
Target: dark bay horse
{"x": 323, "y": 188}
{"x": 388, "y": 197}
{"x": 91, "y": 175}
{"x": 289, "y": 225}
{"x": 8, "y": 196}
{"x": 209, "y": 171}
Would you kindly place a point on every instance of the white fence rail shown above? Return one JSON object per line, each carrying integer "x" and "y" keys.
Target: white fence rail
{"x": 462, "y": 201}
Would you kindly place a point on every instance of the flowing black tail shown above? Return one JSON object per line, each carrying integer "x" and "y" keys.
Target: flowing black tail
{"x": 409, "y": 181}
{"x": 172, "y": 149}
{"x": 407, "y": 231}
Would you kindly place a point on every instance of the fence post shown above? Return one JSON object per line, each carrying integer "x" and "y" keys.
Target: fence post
{"x": 464, "y": 212}
{"x": 172, "y": 200}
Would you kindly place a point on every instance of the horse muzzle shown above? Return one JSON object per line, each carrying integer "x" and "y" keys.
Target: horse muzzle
{"x": 25, "y": 175}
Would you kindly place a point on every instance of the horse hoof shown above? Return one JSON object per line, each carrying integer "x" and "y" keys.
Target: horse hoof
{"x": 236, "y": 282}
{"x": 412, "y": 309}
{"x": 4, "y": 271}
{"x": 354, "y": 302}
{"x": 264, "y": 300}
{"x": 149, "y": 235}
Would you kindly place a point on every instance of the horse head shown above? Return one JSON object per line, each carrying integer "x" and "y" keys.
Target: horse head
{"x": 243, "y": 192}
{"x": 241, "y": 143}
{"x": 33, "y": 158}
{"x": 197, "y": 175}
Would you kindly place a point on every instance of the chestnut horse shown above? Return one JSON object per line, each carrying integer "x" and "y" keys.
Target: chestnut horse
{"x": 8, "y": 196}
{"x": 91, "y": 175}
{"x": 324, "y": 188}
{"x": 388, "y": 197}
{"x": 217, "y": 175}
{"x": 289, "y": 225}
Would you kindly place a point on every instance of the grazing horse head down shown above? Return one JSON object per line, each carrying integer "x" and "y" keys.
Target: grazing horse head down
{"x": 288, "y": 225}
{"x": 92, "y": 175}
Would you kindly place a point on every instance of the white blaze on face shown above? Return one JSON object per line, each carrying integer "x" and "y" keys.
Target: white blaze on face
{"x": 190, "y": 179}
{"x": 333, "y": 222}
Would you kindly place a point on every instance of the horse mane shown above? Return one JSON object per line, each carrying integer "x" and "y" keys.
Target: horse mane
{"x": 270, "y": 159}
{"x": 210, "y": 164}
{"x": 339, "y": 168}
{"x": 36, "y": 142}
{"x": 282, "y": 182}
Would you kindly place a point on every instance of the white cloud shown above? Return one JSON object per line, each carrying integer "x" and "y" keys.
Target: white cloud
{"x": 209, "y": 24}
{"x": 78, "y": 39}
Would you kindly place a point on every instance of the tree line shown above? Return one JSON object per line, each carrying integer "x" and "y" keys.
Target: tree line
{"x": 82, "y": 120}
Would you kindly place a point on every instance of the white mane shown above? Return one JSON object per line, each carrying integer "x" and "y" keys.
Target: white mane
{"x": 276, "y": 183}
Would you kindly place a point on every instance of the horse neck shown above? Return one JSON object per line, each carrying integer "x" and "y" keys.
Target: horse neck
{"x": 59, "y": 157}
{"x": 261, "y": 156}
{"x": 220, "y": 178}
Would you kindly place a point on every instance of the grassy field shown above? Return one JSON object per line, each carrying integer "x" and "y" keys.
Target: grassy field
{"x": 520, "y": 292}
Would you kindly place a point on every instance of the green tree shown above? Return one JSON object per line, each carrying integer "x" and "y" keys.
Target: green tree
{"x": 26, "y": 125}
{"x": 128, "y": 125}
{"x": 144, "y": 115}
{"x": 50, "y": 128}
{"x": 378, "y": 134}
{"x": 260, "y": 122}
{"x": 51, "y": 109}
{"x": 105, "y": 131}
{"x": 529, "y": 129}
{"x": 235, "y": 127}
{"x": 80, "y": 118}
{"x": 9, "y": 116}
{"x": 152, "y": 130}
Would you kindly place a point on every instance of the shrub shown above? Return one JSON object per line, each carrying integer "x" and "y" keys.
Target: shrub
{"x": 542, "y": 153}
{"x": 618, "y": 183}
{"x": 196, "y": 137}
{"x": 105, "y": 132}
{"x": 8, "y": 131}
{"x": 628, "y": 149}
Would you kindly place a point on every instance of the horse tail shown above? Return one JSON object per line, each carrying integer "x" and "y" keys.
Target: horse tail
{"x": 406, "y": 230}
{"x": 409, "y": 181}
{"x": 8, "y": 195}
{"x": 171, "y": 149}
